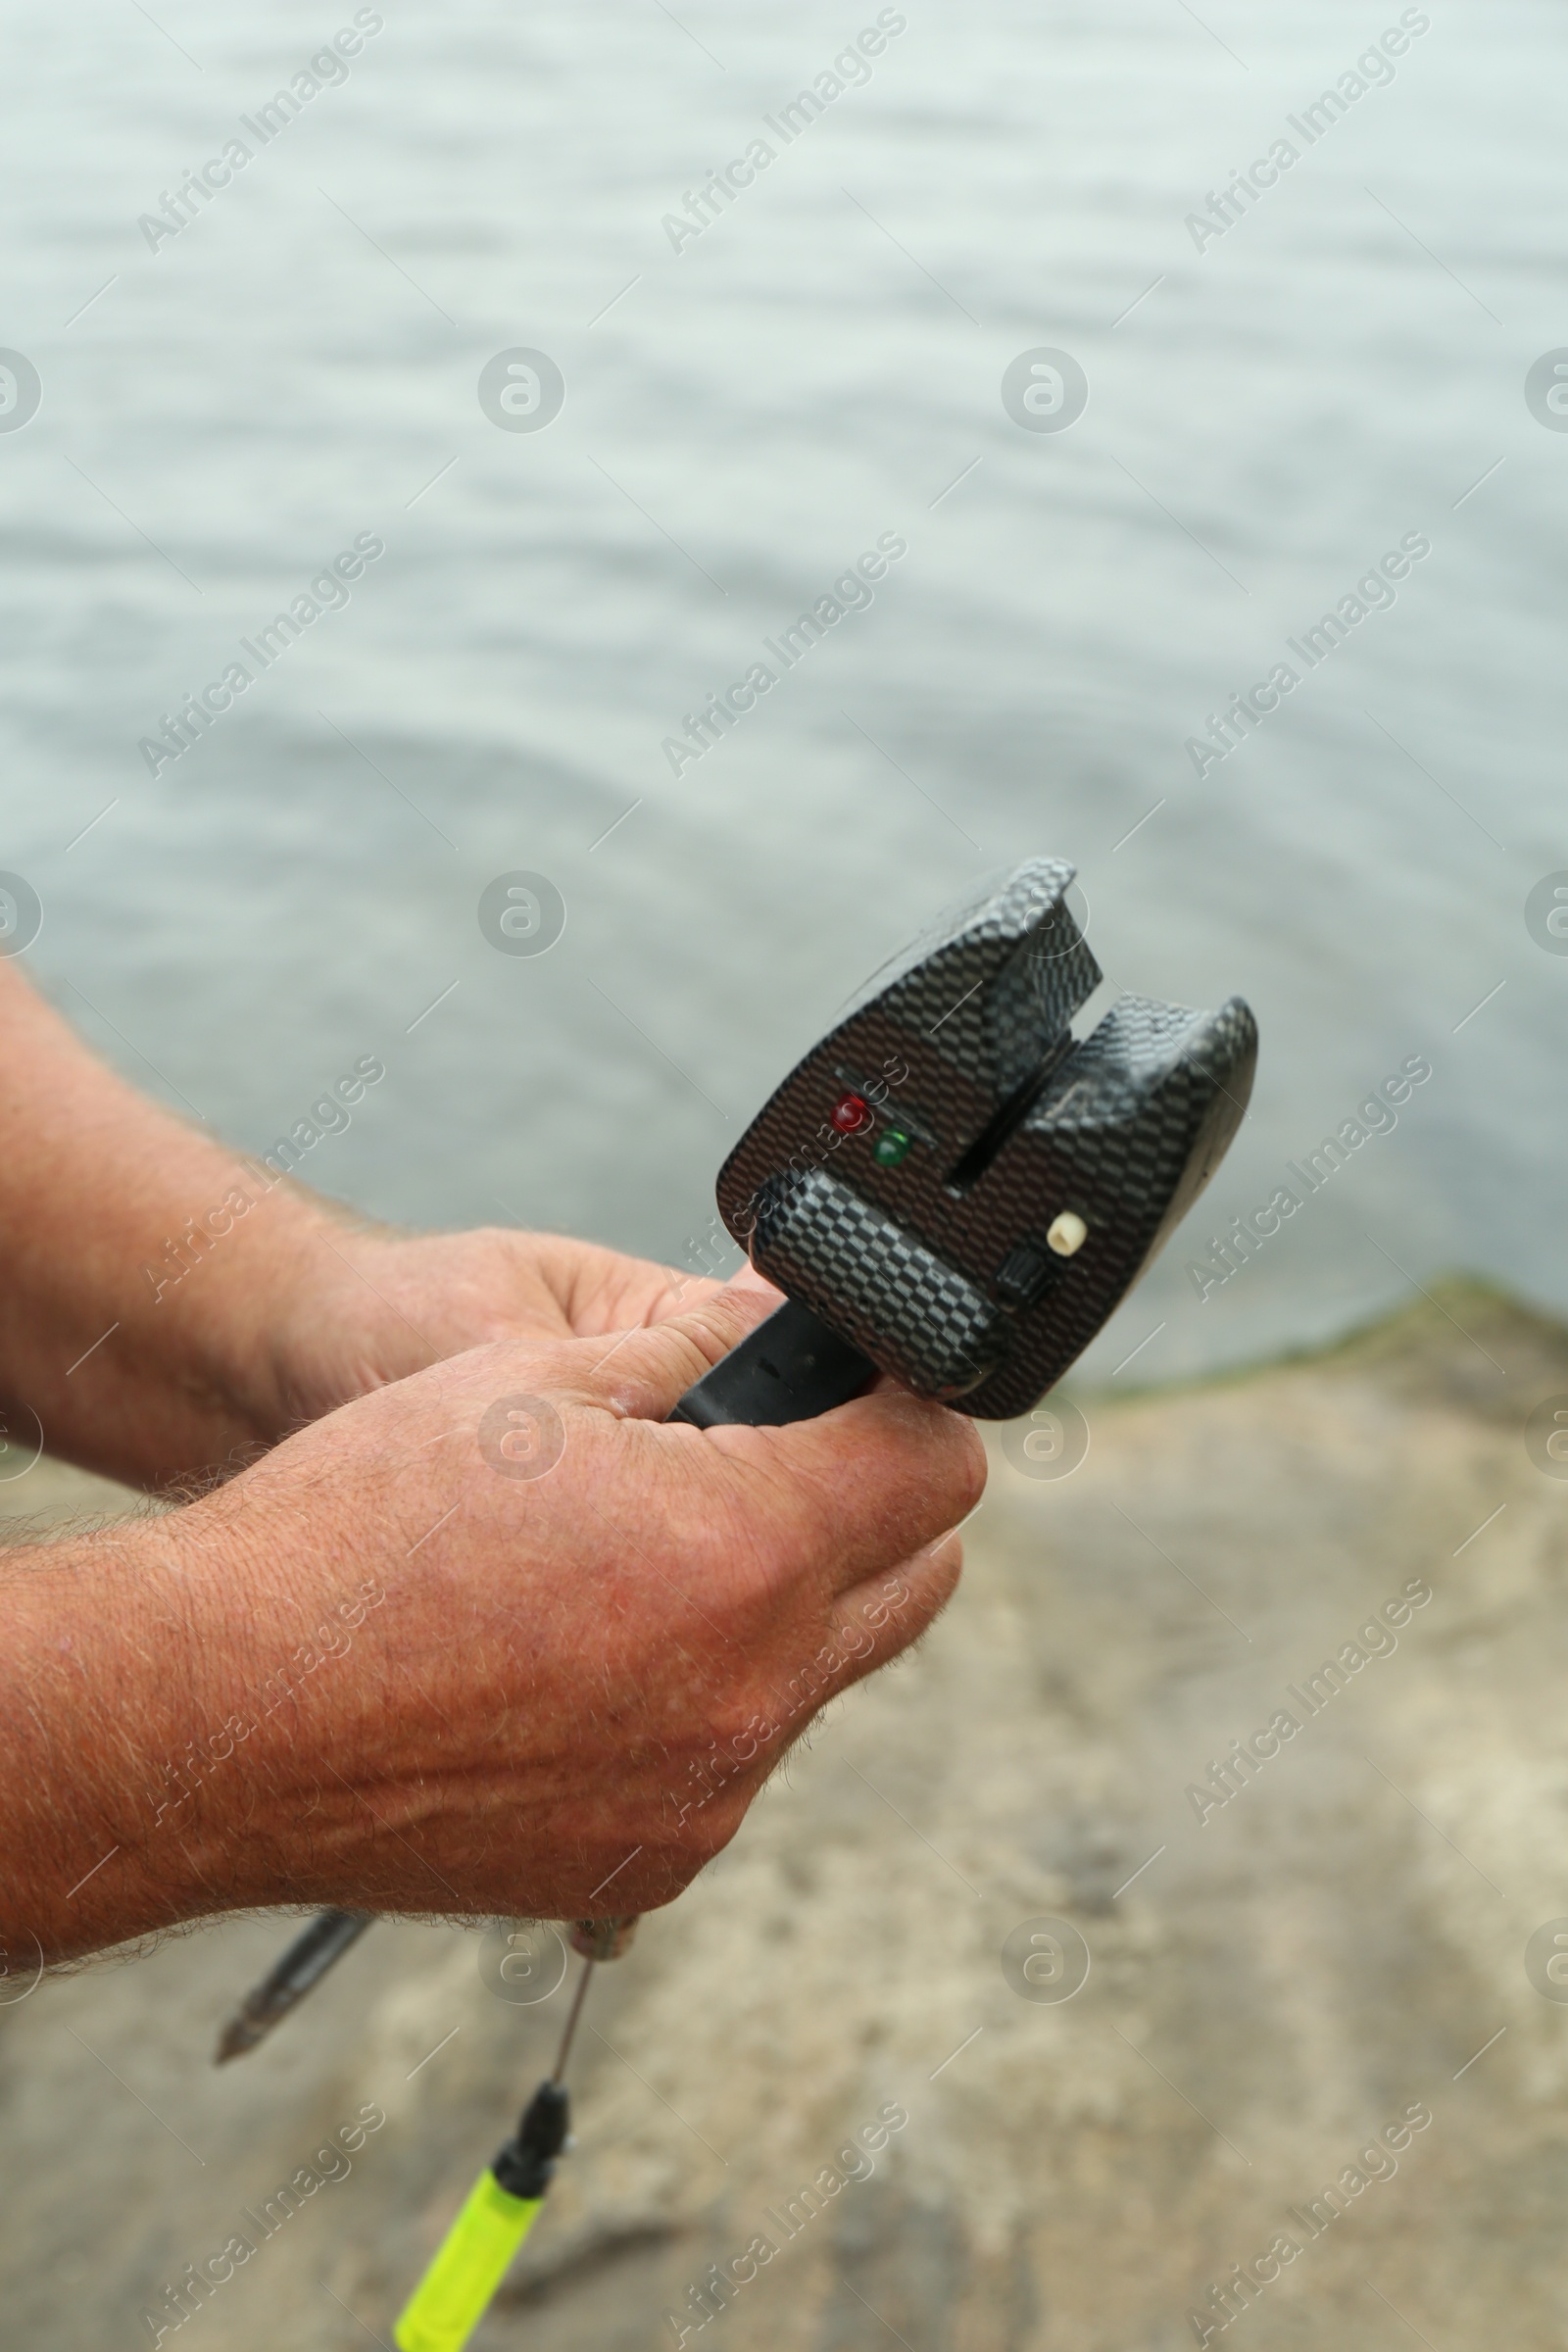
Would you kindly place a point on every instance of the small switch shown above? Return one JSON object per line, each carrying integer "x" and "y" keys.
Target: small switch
{"x": 1067, "y": 1233}
{"x": 1024, "y": 1274}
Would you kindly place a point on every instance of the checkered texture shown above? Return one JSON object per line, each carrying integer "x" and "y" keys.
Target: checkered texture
{"x": 986, "y": 984}
{"x": 840, "y": 1257}
{"x": 968, "y": 1038}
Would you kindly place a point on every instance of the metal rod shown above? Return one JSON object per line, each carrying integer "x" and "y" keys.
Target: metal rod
{"x": 578, "y": 1999}
{"x": 303, "y": 1966}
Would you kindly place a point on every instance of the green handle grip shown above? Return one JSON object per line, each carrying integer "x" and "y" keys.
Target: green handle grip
{"x": 455, "y": 2293}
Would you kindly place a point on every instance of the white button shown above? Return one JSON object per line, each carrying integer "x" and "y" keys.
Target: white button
{"x": 1068, "y": 1233}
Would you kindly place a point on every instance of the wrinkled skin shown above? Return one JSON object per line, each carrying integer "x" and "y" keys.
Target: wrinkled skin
{"x": 573, "y": 1685}
{"x": 373, "y": 1665}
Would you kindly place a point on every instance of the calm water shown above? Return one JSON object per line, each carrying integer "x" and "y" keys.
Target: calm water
{"x": 822, "y": 366}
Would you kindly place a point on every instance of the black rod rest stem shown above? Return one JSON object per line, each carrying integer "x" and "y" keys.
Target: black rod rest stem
{"x": 790, "y": 1368}
{"x": 526, "y": 2164}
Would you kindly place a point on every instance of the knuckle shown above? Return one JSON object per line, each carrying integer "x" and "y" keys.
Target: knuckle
{"x": 954, "y": 1463}
{"x": 812, "y": 1676}
{"x": 948, "y": 1569}
{"x": 663, "y": 1876}
{"x": 717, "y": 1825}
{"x": 973, "y": 1464}
{"x": 739, "y": 1726}
{"x": 687, "y": 1844}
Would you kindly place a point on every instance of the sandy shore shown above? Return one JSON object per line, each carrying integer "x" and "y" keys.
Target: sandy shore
{"x": 1270, "y": 1986}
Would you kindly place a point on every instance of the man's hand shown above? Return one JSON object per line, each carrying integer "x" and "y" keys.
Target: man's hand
{"x": 494, "y": 1639}
{"x": 487, "y": 1635}
{"x": 370, "y": 1307}
{"x": 170, "y": 1308}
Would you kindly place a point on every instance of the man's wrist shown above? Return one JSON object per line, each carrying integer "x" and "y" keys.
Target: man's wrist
{"x": 230, "y": 1309}
{"x": 148, "y": 1267}
{"x": 126, "y": 1665}
{"x": 196, "y": 1375}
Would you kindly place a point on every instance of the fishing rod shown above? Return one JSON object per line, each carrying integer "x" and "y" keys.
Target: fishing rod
{"x": 950, "y": 1187}
{"x": 503, "y": 2205}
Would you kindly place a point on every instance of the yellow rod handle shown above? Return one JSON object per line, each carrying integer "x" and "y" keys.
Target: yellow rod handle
{"x": 456, "y": 2291}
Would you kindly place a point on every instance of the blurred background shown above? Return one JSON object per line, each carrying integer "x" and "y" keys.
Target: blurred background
{"x": 204, "y": 403}
{"x": 822, "y": 364}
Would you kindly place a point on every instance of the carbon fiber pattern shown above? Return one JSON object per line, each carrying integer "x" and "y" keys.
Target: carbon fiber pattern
{"x": 877, "y": 1285}
{"x": 994, "y": 981}
{"x": 967, "y": 1039}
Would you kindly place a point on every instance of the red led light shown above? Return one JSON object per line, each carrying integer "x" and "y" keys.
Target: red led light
{"x": 852, "y": 1112}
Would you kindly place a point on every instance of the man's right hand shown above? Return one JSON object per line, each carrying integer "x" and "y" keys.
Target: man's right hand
{"x": 495, "y": 1640}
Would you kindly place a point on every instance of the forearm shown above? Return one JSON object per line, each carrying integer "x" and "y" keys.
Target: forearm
{"x": 112, "y": 1662}
{"x": 187, "y": 1704}
{"x": 142, "y": 1263}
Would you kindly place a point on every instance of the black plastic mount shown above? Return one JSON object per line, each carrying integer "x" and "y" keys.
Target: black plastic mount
{"x": 790, "y": 1368}
{"x": 960, "y": 1187}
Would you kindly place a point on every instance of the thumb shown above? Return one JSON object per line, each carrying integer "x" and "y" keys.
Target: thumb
{"x": 644, "y": 1373}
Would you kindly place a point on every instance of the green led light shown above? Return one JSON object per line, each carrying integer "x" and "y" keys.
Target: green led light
{"x": 892, "y": 1146}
